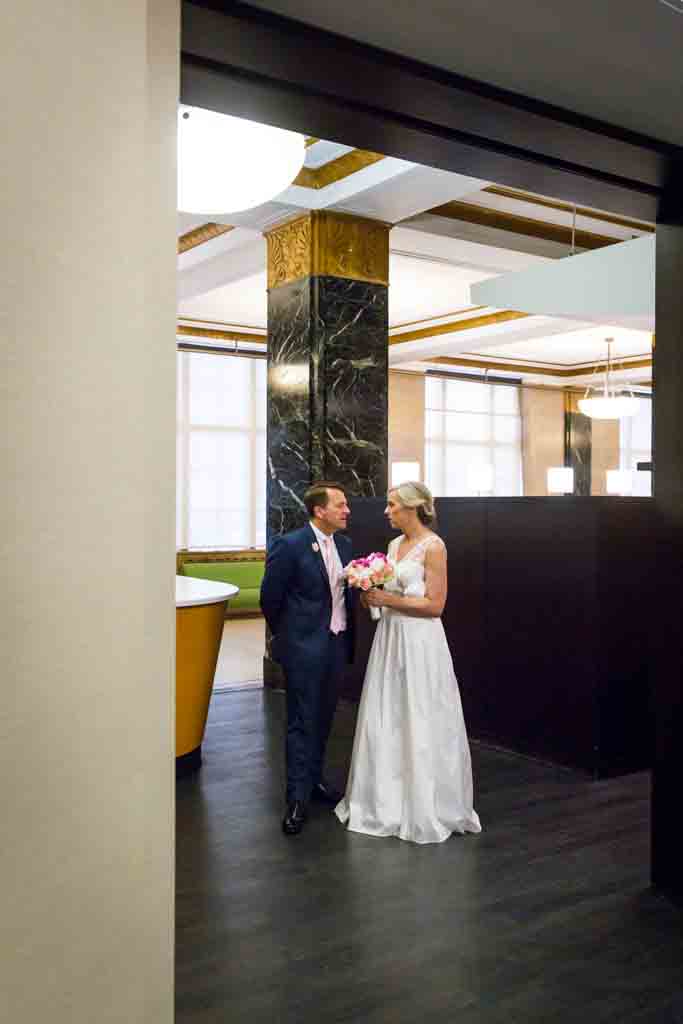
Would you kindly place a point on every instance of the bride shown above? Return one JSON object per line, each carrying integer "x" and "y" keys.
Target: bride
{"x": 411, "y": 773}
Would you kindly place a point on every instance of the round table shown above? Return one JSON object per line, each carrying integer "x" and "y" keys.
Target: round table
{"x": 200, "y": 614}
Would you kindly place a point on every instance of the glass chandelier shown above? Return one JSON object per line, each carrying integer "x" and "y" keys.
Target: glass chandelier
{"x": 610, "y": 404}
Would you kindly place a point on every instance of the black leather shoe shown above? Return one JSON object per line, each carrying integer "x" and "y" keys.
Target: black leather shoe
{"x": 294, "y": 818}
{"x": 326, "y": 794}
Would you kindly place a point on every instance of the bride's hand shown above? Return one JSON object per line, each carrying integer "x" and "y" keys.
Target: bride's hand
{"x": 363, "y": 599}
{"x": 375, "y": 598}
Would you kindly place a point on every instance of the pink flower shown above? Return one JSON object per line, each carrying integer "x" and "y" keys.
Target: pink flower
{"x": 372, "y": 571}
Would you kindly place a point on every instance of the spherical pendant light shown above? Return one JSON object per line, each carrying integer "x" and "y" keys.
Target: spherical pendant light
{"x": 227, "y": 164}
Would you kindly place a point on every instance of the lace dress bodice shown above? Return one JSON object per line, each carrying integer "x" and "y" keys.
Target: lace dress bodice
{"x": 409, "y": 573}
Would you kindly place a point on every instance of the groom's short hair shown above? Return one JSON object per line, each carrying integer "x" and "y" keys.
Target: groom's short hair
{"x": 317, "y": 495}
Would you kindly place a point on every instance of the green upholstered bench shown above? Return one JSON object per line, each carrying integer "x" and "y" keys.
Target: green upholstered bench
{"x": 246, "y": 575}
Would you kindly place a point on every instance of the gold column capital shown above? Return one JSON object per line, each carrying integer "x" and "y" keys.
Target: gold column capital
{"x": 323, "y": 242}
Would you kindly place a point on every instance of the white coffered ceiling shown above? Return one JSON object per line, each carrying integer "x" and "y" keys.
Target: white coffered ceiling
{"x": 449, "y": 233}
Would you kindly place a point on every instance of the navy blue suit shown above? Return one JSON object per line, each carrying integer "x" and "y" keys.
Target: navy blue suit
{"x": 297, "y": 603}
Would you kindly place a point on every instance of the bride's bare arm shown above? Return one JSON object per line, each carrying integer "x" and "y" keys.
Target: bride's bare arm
{"x": 430, "y": 606}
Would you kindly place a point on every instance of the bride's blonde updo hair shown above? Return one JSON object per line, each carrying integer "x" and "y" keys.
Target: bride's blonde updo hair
{"x": 415, "y": 495}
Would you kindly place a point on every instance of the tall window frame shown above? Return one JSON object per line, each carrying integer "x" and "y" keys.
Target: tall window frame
{"x": 635, "y": 445}
{"x": 221, "y": 450}
{"x": 471, "y": 424}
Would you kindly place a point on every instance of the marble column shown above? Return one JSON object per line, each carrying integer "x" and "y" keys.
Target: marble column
{"x": 327, "y": 359}
{"x": 578, "y": 445}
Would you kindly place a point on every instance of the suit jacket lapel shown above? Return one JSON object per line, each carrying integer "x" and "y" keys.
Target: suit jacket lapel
{"x": 319, "y": 556}
{"x": 339, "y": 543}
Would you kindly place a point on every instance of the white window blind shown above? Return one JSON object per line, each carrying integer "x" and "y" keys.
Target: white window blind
{"x": 635, "y": 445}
{"x": 469, "y": 427}
{"x": 221, "y": 451}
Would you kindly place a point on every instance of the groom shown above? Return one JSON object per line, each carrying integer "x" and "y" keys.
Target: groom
{"x": 308, "y": 610}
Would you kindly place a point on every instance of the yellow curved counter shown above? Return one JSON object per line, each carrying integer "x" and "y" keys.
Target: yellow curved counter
{"x": 200, "y": 613}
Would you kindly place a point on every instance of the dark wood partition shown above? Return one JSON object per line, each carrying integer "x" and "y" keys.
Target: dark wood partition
{"x": 547, "y": 620}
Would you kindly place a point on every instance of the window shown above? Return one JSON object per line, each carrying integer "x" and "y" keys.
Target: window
{"x": 221, "y": 451}
{"x": 472, "y": 438}
{"x": 635, "y": 445}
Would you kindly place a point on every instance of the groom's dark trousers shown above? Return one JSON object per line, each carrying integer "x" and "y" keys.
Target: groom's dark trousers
{"x": 297, "y": 603}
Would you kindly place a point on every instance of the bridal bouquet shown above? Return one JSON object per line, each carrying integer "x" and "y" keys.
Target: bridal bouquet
{"x": 372, "y": 571}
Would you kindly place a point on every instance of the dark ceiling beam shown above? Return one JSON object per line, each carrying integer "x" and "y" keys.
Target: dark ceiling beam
{"x": 254, "y": 64}
{"x": 503, "y": 220}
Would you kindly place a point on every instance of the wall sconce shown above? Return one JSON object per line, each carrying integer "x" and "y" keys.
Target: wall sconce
{"x": 402, "y": 472}
{"x": 619, "y": 481}
{"x": 560, "y": 480}
{"x": 480, "y": 478}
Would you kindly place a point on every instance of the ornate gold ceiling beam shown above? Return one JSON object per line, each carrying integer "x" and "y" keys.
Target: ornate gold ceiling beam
{"x": 335, "y": 170}
{"x": 454, "y": 326}
{"x": 204, "y": 233}
{"x": 555, "y": 204}
{"x": 539, "y": 370}
{"x": 483, "y": 216}
{"x": 217, "y": 335}
{"x": 430, "y": 319}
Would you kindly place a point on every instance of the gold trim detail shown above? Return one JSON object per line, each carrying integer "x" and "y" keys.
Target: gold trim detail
{"x": 289, "y": 251}
{"x": 204, "y": 233}
{"x": 431, "y": 319}
{"x": 571, "y": 401}
{"x": 540, "y": 371}
{"x": 326, "y": 243}
{"x": 458, "y": 325}
{"x": 217, "y": 335}
{"x": 555, "y": 204}
{"x": 484, "y": 216}
{"x": 203, "y": 322}
{"x": 337, "y": 169}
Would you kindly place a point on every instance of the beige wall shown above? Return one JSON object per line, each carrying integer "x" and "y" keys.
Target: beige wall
{"x": 604, "y": 452}
{"x": 406, "y": 418}
{"x": 542, "y": 436}
{"x": 88, "y": 381}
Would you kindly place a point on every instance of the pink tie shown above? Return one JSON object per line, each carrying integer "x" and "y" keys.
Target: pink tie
{"x": 337, "y": 623}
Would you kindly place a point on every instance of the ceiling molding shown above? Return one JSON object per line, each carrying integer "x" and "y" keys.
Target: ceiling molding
{"x": 430, "y": 319}
{"x": 182, "y": 330}
{"x": 537, "y": 369}
{"x": 335, "y": 170}
{"x": 203, "y": 233}
{"x": 555, "y": 204}
{"x": 466, "y": 324}
{"x": 580, "y": 370}
{"x": 228, "y": 324}
{"x": 528, "y": 226}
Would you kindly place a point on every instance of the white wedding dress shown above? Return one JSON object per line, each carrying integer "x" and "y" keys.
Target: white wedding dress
{"x": 411, "y": 773}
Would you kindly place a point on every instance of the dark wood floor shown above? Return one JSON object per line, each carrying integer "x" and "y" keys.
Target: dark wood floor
{"x": 547, "y": 916}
